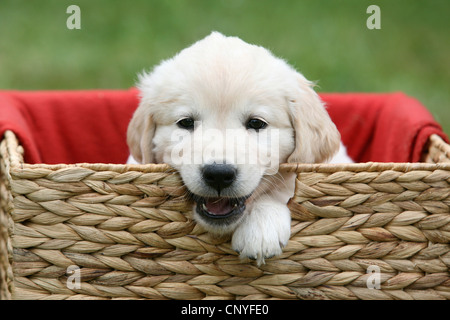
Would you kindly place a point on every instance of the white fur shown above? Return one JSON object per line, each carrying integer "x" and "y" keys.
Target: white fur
{"x": 221, "y": 81}
{"x": 342, "y": 156}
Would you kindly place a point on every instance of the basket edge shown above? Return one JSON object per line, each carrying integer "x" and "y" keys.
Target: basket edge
{"x": 436, "y": 145}
{"x": 7, "y": 144}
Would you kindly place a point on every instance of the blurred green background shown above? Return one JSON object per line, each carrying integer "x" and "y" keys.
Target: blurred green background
{"x": 327, "y": 41}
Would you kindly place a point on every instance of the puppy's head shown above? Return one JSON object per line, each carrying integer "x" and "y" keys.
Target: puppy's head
{"x": 225, "y": 114}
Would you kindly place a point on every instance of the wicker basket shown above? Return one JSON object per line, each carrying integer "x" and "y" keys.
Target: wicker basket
{"x": 125, "y": 231}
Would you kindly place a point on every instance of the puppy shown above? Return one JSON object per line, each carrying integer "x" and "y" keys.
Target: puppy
{"x": 225, "y": 114}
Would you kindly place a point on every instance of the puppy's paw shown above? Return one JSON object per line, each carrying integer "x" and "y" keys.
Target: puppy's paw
{"x": 263, "y": 233}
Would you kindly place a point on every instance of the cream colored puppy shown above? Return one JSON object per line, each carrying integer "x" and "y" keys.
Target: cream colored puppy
{"x": 225, "y": 114}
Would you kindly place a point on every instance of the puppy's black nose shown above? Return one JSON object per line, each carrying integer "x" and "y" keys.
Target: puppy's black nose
{"x": 219, "y": 176}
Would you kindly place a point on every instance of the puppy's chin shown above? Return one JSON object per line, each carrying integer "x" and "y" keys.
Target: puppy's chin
{"x": 219, "y": 215}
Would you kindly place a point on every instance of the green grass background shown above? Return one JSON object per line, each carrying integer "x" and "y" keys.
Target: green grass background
{"x": 327, "y": 41}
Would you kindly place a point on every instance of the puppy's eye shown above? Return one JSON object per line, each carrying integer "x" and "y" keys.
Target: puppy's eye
{"x": 186, "y": 123}
{"x": 256, "y": 124}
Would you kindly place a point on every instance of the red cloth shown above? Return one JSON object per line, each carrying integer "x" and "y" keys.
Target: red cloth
{"x": 90, "y": 125}
{"x": 69, "y": 126}
{"x": 382, "y": 127}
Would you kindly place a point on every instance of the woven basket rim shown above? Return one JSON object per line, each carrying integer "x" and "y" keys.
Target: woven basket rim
{"x": 286, "y": 167}
{"x": 16, "y": 162}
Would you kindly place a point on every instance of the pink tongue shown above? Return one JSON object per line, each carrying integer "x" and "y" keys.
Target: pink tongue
{"x": 218, "y": 206}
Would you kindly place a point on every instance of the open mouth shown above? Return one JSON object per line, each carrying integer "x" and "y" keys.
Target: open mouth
{"x": 219, "y": 208}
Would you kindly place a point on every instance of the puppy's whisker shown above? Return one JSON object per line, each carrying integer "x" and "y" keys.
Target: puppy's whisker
{"x": 280, "y": 178}
{"x": 271, "y": 185}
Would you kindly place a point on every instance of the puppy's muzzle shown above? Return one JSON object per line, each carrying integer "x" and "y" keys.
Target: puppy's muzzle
{"x": 219, "y": 209}
{"x": 219, "y": 176}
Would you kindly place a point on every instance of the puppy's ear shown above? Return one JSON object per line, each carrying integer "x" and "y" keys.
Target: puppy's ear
{"x": 316, "y": 136}
{"x": 140, "y": 134}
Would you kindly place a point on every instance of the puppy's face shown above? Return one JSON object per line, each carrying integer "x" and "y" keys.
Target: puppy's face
{"x": 225, "y": 114}
{"x": 223, "y": 147}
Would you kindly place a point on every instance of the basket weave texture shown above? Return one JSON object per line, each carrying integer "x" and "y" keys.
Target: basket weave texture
{"x": 126, "y": 232}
